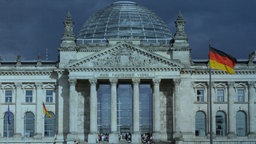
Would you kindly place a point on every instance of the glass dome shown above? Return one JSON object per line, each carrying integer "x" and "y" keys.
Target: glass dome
{"x": 124, "y": 19}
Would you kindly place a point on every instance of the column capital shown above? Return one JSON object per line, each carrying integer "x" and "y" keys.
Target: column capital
{"x": 72, "y": 81}
{"x": 18, "y": 85}
{"x": 39, "y": 85}
{"x": 93, "y": 81}
{"x": 156, "y": 80}
{"x": 251, "y": 83}
{"x": 135, "y": 80}
{"x": 113, "y": 80}
{"x": 177, "y": 81}
{"x": 231, "y": 84}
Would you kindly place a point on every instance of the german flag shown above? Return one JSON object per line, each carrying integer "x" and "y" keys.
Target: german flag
{"x": 221, "y": 61}
{"x": 45, "y": 111}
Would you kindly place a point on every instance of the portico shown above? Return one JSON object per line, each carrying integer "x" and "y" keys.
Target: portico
{"x": 121, "y": 104}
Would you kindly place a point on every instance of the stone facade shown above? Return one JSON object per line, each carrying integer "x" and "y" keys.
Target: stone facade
{"x": 180, "y": 92}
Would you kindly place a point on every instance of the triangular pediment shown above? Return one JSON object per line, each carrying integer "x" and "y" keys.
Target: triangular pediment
{"x": 124, "y": 56}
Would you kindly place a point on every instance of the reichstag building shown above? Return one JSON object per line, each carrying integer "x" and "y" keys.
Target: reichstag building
{"x": 125, "y": 77}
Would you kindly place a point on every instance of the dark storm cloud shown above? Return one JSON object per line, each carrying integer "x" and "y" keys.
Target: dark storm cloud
{"x": 29, "y": 27}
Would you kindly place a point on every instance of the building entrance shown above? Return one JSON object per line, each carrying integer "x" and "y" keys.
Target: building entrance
{"x": 125, "y": 108}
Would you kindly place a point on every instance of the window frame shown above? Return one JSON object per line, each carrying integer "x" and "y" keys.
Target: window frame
{"x": 28, "y": 124}
{"x": 200, "y": 97}
{"x": 200, "y": 124}
{"x": 28, "y": 97}
{"x": 50, "y": 125}
{"x": 8, "y": 98}
{"x": 240, "y": 97}
{"x": 49, "y": 98}
{"x": 10, "y": 126}
{"x": 220, "y": 98}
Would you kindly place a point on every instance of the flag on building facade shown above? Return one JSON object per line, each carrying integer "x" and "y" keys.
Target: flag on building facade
{"x": 45, "y": 111}
{"x": 221, "y": 61}
{"x": 8, "y": 115}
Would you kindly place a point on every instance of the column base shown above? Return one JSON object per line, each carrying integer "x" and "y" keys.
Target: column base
{"x": 177, "y": 136}
{"x": 157, "y": 137}
{"x": 213, "y": 135}
{"x": 92, "y": 138}
{"x": 136, "y": 138}
{"x": 71, "y": 137}
{"x": 38, "y": 136}
{"x": 113, "y": 138}
{"x": 252, "y": 135}
{"x": 17, "y": 135}
{"x": 59, "y": 138}
{"x": 231, "y": 135}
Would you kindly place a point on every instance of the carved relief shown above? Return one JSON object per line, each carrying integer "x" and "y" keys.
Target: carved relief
{"x": 124, "y": 57}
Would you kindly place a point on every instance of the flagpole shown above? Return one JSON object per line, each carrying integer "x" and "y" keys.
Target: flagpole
{"x": 210, "y": 96}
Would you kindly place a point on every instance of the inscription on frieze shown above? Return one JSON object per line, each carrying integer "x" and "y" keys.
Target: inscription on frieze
{"x": 125, "y": 75}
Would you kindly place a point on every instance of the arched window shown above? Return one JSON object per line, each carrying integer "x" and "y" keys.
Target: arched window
{"x": 29, "y": 124}
{"x": 221, "y": 123}
{"x": 200, "y": 123}
{"x": 241, "y": 123}
{"x": 49, "y": 125}
{"x": 8, "y": 124}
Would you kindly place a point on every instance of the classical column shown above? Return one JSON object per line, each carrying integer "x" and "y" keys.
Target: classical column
{"x": 136, "y": 138}
{"x": 156, "y": 110}
{"x": 19, "y": 114}
{"x": 92, "y": 137}
{"x": 40, "y": 97}
{"x": 61, "y": 94}
{"x": 251, "y": 115}
{"x": 231, "y": 112}
{"x": 176, "y": 110}
{"x": 73, "y": 102}
{"x": 113, "y": 137}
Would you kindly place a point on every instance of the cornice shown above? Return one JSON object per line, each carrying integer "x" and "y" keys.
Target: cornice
{"x": 216, "y": 72}
{"x": 123, "y": 69}
{"x": 21, "y": 73}
{"x": 181, "y": 49}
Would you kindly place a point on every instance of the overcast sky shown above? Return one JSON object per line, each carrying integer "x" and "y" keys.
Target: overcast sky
{"x": 30, "y": 27}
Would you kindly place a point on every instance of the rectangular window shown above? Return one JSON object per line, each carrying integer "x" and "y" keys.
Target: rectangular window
{"x": 8, "y": 96}
{"x": 29, "y": 96}
{"x": 200, "y": 95}
{"x": 49, "y": 95}
{"x": 220, "y": 95}
{"x": 240, "y": 95}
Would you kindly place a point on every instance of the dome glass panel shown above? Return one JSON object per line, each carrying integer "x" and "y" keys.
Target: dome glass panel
{"x": 124, "y": 19}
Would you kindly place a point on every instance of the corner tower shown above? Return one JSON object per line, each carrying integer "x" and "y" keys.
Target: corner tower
{"x": 180, "y": 49}
{"x": 67, "y": 50}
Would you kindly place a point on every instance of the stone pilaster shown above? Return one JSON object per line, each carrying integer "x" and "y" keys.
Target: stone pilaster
{"x": 40, "y": 97}
{"x": 136, "y": 138}
{"x": 156, "y": 110}
{"x": 19, "y": 125}
{"x": 73, "y": 101}
{"x": 251, "y": 99}
{"x": 113, "y": 137}
{"x": 231, "y": 113}
{"x": 92, "y": 137}
{"x": 2, "y": 100}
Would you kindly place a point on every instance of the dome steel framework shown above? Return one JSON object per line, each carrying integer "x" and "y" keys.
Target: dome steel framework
{"x": 124, "y": 19}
